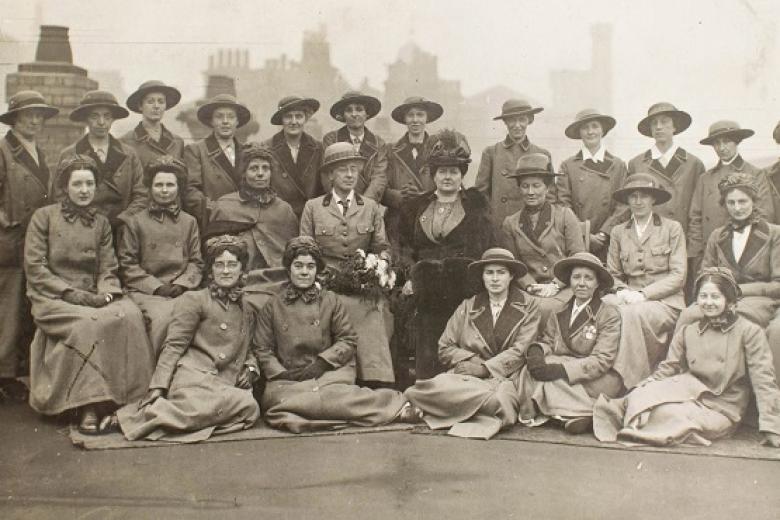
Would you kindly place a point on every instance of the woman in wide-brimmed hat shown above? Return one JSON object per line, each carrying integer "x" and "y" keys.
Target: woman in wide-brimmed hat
{"x": 24, "y": 187}
{"x": 297, "y": 154}
{"x": 647, "y": 259}
{"x": 483, "y": 350}
{"x": 701, "y": 391}
{"x": 214, "y": 163}
{"x": 151, "y": 139}
{"x": 589, "y": 178}
{"x": 541, "y": 233}
{"x": 571, "y": 365}
{"x": 159, "y": 248}
{"x": 354, "y": 109}
{"x": 122, "y": 190}
{"x": 706, "y": 211}
{"x": 90, "y": 353}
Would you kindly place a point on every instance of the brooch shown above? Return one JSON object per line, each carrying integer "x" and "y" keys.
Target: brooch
{"x": 590, "y": 331}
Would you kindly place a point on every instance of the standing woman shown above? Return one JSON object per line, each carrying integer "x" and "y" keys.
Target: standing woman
{"x": 647, "y": 259}
{"x": 700, "y": 392}
{"x": 257, "y": 202}
{"x": 24, "y": 187}
{"x": 159, "y": 248}
{"x": 483, "y": 349}
{"x": 150, "y": 139}
{"x": 90, "y": 353}
{"x": 541, "y": 234}
{"x": 589, "y": 178}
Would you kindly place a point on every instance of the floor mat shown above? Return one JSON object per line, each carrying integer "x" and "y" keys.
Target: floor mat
{"x": 116, "y": 441}
{"x": 743, "y": 445}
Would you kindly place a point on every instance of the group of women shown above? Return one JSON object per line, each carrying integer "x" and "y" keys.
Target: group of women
{"x": 182, "y": 291}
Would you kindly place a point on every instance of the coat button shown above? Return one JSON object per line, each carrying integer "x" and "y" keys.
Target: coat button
{"x": 544, "y": 268}
{"x": 178, "y": 243}
{"x": 316, "y": 322}
{"x": 222, "y": 355}
{"x": 344, "y": 233}
{"x": 223, "y": 326}
{"x": 503, "y": 199}
{"x": 284, "y": 175}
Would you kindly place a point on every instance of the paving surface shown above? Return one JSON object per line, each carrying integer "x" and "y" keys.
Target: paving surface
{"x": 393, "y": 475}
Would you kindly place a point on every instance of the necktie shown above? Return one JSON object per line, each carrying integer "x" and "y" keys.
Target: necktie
{"x": 415, "y": 153}
{"x": 230, "y": 153}
{"x": 101, "y": 154}
{"x": 344, "y": 205}
{"x": 356, "y": 141}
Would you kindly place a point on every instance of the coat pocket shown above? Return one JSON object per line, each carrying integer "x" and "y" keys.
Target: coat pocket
{"x": 659, "y": 257}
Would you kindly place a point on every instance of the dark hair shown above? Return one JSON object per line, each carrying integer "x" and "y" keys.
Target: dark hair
{"x": 166, "y": 164}
{"x": 449, "y": 149}
{"x": 730, "y": 290}
{"x": 738, "y": 181}
{"x": 77, "y": 162}
{"x": 239, "y": 252}
{"x": 302, "y": 246}
{"x": 255, "y": 151}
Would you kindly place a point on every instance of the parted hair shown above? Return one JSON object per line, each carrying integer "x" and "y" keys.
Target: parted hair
{"x": 77, "y": 162}
{"x": 301, "y": 246}
{"x": 168, "y": 164}
{"x": 743, "y": 182}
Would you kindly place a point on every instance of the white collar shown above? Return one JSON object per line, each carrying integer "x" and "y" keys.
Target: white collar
{"x": 576, "y": 308}
{"x": 726, "y": 163}
{"x": 359, "y": 136}
{"x": 226, "y": 143}
{"x": 595, "y": 157}
{"x": 347, "y": 199}
{"x": 655, "y": 153}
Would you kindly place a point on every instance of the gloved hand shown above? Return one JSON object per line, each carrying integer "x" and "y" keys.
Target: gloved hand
{"x": 548, "y": 372}
{"x": 169, "y": 290}
{"x": 84, "y": 298}
{"x": 534, "y": 356}
{"x": 409, "y": 190}
{"x": 315, "y": 369}
{"x": 247, "y": 377}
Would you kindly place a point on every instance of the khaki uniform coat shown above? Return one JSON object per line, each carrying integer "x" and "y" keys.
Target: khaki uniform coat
{"x": 373, "y": 180}
{"x": 148, "y": 149}
{"x": 296, "y": 181}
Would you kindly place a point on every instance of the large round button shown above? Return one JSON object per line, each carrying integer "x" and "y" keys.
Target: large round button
{"x": 222, "y": 355}
{"x": 503, "y": 199}
{"x": 223, "y": 326}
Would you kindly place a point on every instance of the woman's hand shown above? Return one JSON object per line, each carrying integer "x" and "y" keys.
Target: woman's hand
{"x": 407, "y": 289}
{"x": 771, "y": 439}
{"x": 315, "y": 369}
{"x": 633, "y": 296}
{"x": 247, "y": 377}
{"x": 86, "y": 298}
{"x": 543, "y": 290}
{"x": 472, "y": 367}
{"x": 151, "y": 396}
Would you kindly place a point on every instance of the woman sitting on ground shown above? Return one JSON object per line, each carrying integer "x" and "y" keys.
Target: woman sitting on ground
{"x": 572, "y": 363}
{"x": 701, "y": 391}
{"x": 483, "y": 348}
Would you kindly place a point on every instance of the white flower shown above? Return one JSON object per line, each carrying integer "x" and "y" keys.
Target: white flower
{"x": 371, "y": 261}
{"x": 382, "y": 266}
{"x": 391, "y": 281}
{"x": 383, "y": 279}
{"x": 361, "y": 253}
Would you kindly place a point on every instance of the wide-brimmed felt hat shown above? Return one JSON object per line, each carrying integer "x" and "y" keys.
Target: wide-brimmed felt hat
{"x": 172, "y": 95}
{"x": 26, "y": 99}
{"x": 533, "y": 165}
{"x": 339, "y": 152}
{"x": 206, "y": 110}
{"x": 642, "y": 182}
{"x": 682, "y": 120}
{"x": 372, "y": 104}
{"x": 294, "y": 103}
{"x": 98, "y": 99}
{"x": 516, "y": 107}
{"x": 501, "y": 256}
{"x": 725, "y": 128}
{"x": 563, "y": 268}
{"x": 449, "y": 149}
{"x": 584, "y": 116}
{"x": 433, "y": 109}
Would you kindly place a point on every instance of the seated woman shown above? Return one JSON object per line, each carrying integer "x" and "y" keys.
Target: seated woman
{"x": 701, "y": 391}
{"x": 202, "y": 385}
{"x": 255, "y": 201}
{"x": 305, "y": 346}
{"x": 572, "y": 363}
{"x": 90, "y": 353}
{"x": 749, "y": 246}
{"x": 440, "y": 233}
{"x": 647, "y": 258}
{"x": 159, "y": 248}
{"x": 541, "y": 234}
{"x": 483, "y": 348}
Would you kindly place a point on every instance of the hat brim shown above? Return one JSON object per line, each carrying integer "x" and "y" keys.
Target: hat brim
{"x": 660, "y": 196}
{"x": 172, "y": 97}
{"x": 573, "y": 130}
{"x": 206, "y": 111}
{"x": 342, "y": 159}
{"x": 372, "y": 104}
{"x": 226, "y": 227}
{"x": 434, "y": 111}
{"x": 682, "y": 120}
{"x": 312, "y": 104}
{"x": 543, "y": 174}
{"x": 48, "y": 112}
{"x": 530, "y": 111}
{"x": 738, "y": 134}
{"x": 517, "y": 267}
{"x": 80, "y": 113}
{"x": 563, "y": 268}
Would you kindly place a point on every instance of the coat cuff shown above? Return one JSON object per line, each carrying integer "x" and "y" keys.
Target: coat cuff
{"x": 503, "y": 366}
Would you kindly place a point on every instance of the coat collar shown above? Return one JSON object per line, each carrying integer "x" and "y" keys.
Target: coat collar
{"x": 633, "y": 234}
{"x": 39, "y": 170}
{"x": 512, "y": 314}
{"x": 163, "y": 145}
{"x": 508, "y": 142}
{"x": 215, "y": 152}
{"x": 284, "y": 155}
{"x": 737, "y": 164}
{"x": 403, "y": 142}
{"x": 757, "y": 240}
{"x": 585, "y": 316}
{"x": 114, "y": 160}
{"x": 604, "y": 166}
{"x": 368, "y": 146}
{"x": 679, "y": 157}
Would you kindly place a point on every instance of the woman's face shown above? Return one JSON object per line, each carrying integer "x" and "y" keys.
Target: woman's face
{"x": 224, "y": 121}
{"x": 258, "y": 174}
{"x": 355, "y": 116}
{"x": 662, "y": 128}
{"x": 448, "y": 179}
{"x": 29, "y": 122}
{"x": 711, "y": 300}
{"x": 725, "y": 147}
{"x": 584, "y": 283}
{"x": 496, "y": 278}
{"x": 165, "y": 188}
{"x": 226, "y": 270}
{"x": 153, "y": 106}
{"x": 99, "y": 121}
{"x": 344, "y": 176}
{"x": 738, "y": 204}
{"x": 293, "y": 122}
{"x": 641, "y": 203}
{"x": 516, "y": 126}
{"x": 81, "y": 187}
{"x": 415, "y": 119}
{"x": 591, "y": 134}
{"x": 303, "y": 271}
{"x": 534, "y": 191}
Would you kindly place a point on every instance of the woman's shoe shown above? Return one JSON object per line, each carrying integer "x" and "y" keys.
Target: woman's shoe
{"x": 578, "y": 425}
{"x": 109, "y": 424}
{"x": 89, "y": 422}
{"x": 409, "y": 414}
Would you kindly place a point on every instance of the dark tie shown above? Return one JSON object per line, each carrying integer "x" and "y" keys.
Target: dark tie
{"x": 344, "y": 205}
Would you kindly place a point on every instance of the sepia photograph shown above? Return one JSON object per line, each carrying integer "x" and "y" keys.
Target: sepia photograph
{"x": 389, "y": 259}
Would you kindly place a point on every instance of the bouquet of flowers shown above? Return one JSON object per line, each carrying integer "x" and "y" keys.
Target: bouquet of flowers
{"x": 367, "y": 275}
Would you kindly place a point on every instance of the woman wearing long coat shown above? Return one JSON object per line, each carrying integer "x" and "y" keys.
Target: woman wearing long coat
{"x": 150, "y": 138}
{"x": 257, "y": 202}
{"x": 159, "y": 248}
{"x": 90, "y": 351}
{"x": 572, "y": 364}
{"x": 305, "y": 346}
{"x": 483, "y": 350}
{"x": 202, "y": 385}
{"x": 700, "y": 392}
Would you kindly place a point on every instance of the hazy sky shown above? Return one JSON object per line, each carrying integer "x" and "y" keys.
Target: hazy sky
{"x": 715, "y": 58}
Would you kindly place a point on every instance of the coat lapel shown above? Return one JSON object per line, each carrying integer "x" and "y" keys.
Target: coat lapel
{"x": 356, "y": 205}
{"x": 510, "y": 318}
{"x": 333, "y": 207}
{"x": 587, "y": 314}
{"x": 757, "y": 240}
{"x": 483, "y": 320}
{"x": 724, "y": 244}
{"x": 219, "y": 157}
{"x": 107, "y": 169}
{"x": 39, "y": 170}
{"x": 162, "y": 146}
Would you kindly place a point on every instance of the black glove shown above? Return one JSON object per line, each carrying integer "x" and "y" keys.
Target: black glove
{"x": 85, "y": 298}
{"x": 534, "y": 355}
{"x": 315, "y": 369}
{"x": 168, "y": 290}
{"x": 548, "y": 372}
